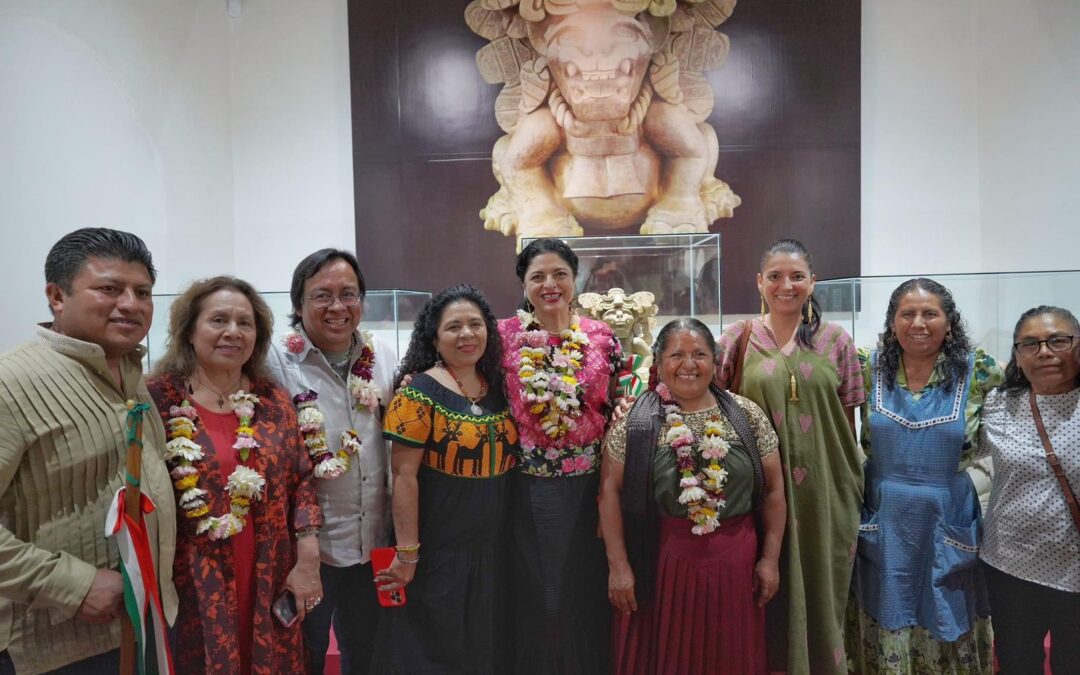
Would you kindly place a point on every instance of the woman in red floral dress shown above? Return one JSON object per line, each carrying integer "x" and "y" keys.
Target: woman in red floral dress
{"x": 247, "y": 506}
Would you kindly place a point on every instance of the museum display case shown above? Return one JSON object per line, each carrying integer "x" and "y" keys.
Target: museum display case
{"x": 389, "y": 314}
{"x": 990, "y": 303}
{"x": 682, "y": 271}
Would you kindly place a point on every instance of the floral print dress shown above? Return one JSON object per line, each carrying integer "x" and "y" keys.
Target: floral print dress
{"x": 204, "y": 570}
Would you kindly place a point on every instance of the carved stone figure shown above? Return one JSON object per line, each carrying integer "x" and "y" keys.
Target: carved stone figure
{"x": 632, "y": 318}
{"x": 604, "y": 107}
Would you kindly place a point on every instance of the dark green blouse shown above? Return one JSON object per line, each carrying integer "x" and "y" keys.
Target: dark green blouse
{"x": 740, "y": 483}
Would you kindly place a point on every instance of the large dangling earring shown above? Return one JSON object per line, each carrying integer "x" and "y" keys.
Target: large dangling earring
{"x": 528, "y": 305}
{"x": 762, "y": 308}
{"x": 809, "y": 310}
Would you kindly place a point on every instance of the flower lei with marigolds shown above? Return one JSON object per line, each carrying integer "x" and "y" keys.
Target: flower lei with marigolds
{"x": 244, "y": 484}
{"x": 702, "y": 491}
{"x": 327, "y": 464}
{"x": 548, "y": 374}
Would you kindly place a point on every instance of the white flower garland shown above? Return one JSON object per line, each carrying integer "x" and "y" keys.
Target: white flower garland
{"x": 702, "y": 491}
{"x": 549, "y": 374}
{"x": 366, "y": 396}
{"x": 244, "y": 484}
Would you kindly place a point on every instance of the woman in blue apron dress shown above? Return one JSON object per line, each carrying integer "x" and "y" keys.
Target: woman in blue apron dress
{"x": 919, "y": 602}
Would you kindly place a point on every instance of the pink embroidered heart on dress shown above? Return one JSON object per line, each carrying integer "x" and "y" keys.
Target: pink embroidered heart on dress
{"x": 769, "y": 366}
{"x": 805, "y": 421}
{"x": 806, "y": 369}
{"x": 777, "y": 417}
{"x": 799, "y": 474}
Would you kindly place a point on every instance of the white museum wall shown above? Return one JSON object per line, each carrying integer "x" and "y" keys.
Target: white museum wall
{"x": 971, "y": 151}
{"x": 291, "y": 136}
{"x": 112, "y": 114}
{"x": 224, "y": 142}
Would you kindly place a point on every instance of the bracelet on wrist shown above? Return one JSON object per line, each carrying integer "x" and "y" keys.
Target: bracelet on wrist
{"x": 310, "y": 531}
{"x": 407, "y": 548}
{"x": 406, "y": 561}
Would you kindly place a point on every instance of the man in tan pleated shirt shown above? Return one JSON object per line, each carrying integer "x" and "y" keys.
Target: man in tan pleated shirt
{"x": 62, "y": 453}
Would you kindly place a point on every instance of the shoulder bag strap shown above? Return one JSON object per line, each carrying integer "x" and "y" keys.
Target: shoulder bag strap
{"x": 1055, "y": 465}
{"x": 741, "y": 422}
{"x": 740, "y": 355}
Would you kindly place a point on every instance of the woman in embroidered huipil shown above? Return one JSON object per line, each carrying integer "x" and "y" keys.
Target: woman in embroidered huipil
{"x": 248, "y": 515}
{"x": 1031, "y": 551}
{"x": 558, "y": 377}
{"x": 919, "y": 603}
{"x": 453, "y": 447}
{"x": 805, "y": 375}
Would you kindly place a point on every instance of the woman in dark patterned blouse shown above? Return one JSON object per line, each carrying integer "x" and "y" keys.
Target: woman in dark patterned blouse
{"x": 247, "y": 507}
{"x": 453, "y": 444}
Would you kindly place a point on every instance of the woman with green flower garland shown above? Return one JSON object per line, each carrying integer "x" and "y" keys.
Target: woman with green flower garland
{"x": 559, "y": 370}
{"x": 682, "y": 474}
{"x": 247, "y": 512}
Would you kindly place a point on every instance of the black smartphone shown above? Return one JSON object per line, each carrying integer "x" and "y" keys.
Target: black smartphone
{"x": 284, "y": 609}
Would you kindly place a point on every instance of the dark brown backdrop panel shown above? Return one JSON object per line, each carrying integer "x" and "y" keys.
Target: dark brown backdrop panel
{"x": 787, "y": 115}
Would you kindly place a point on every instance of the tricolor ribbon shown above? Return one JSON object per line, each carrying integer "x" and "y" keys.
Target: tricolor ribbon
{"x": 628, "y": 383}
{"x": 141, "y": 597}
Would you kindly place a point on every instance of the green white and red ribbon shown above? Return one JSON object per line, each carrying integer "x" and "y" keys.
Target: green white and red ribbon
{"x": 141, "y": 597}
{"x": 629, "y": 384}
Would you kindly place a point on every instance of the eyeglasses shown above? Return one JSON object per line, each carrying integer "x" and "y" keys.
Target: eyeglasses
{"x": 1057, "y": 343}
{"x": 325, "y": 300}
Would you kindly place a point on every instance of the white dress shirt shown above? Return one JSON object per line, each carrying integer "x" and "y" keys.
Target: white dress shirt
{"x": 355, "y": 505}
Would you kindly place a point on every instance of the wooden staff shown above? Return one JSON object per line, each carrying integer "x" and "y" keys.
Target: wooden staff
{"x": 132, "y": 506}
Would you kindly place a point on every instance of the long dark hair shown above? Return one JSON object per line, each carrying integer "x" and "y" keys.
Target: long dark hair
{"x": 1015, "y": 380}
{"x": 956, "y": 347}
{"x": 804, "y": 336}
{"x": 421, "y": 353}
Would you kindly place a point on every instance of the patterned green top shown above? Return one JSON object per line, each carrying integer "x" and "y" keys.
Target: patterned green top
{"x": 985, "y": 376}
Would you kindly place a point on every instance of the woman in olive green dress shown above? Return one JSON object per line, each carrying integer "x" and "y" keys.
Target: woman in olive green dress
{"x": 805, "y": 375}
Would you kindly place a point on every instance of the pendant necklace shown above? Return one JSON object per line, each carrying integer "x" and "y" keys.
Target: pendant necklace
{"x": 474, "y": 403}
{"x": 220, "y": 394}
{"x": 792, "y": 384}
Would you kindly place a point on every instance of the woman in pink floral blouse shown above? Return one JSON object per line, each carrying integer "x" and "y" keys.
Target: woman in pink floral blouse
{"x": 558, "y": 379}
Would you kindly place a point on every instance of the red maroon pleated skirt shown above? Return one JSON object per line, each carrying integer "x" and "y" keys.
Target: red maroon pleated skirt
{"x": 702, "y": 619}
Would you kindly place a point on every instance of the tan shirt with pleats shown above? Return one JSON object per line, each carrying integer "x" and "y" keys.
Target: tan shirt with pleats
{"x": 62, "y": 454}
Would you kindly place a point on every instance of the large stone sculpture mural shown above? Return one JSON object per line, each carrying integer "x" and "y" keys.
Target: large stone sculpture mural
{"x": 604, "y": 105}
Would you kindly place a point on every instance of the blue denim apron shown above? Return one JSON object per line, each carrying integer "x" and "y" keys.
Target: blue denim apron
{"x": 918, "y": 541}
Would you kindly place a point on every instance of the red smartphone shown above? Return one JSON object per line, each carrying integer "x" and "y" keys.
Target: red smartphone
{"x": 284, "y": 609}
{"x": 381, "y": 559}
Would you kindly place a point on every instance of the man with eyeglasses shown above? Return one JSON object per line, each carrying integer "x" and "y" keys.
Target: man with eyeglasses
{"x": 330, "y": 365}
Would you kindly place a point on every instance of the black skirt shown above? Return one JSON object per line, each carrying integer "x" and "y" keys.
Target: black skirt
{"x": 562, "y": 617}
{"x": 455, "y": 619}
